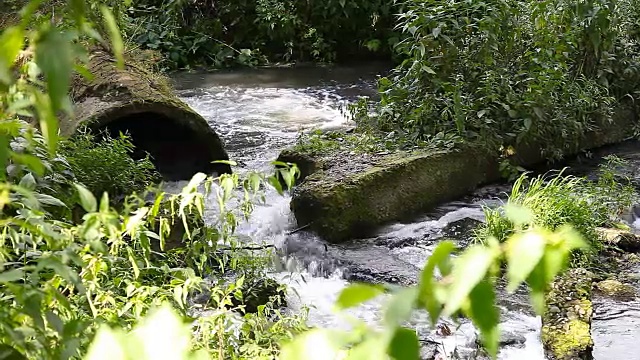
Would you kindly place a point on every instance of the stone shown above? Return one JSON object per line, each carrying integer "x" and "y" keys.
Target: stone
{"x": 623, "y": 239}
{"x": 566, "y": 335}
{"x": 340, "y": 204}
{"x": 507, "y": 338}
{"x": 616, "y": 290}
{"x": 352, "y": 195}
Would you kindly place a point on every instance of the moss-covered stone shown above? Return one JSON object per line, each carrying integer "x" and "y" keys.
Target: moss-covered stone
{"x": 617, "y": 290}
{"x": 339, "y": 203}
{"x": 619, "y": 238}
{"x": 566, "y": 325}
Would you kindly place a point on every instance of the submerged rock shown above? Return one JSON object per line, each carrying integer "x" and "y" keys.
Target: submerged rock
{"x": 617, "y": 290}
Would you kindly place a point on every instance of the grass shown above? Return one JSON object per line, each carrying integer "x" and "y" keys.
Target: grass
{"x": 563, "y": 199}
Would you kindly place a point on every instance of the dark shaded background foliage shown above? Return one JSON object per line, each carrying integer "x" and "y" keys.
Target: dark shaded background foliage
{"x": 251, "y": 32}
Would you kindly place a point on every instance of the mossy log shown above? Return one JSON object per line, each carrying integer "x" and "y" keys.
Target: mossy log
{"x": 566, "y": 324}
{"x": 137, "y": 101}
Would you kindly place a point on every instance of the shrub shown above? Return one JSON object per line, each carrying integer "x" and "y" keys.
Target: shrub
{"x": 106, "y": 165}
{"x": 503, "y": 73}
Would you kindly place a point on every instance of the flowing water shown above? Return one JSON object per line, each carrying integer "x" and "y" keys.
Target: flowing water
{"x": 260, "y": 112}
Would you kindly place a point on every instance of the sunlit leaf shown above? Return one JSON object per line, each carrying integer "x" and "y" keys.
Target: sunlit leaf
{"x": 48, "y": 122}
{"x": 57, "y": 69}
{"x": 317, "y": 344}
{"x": 107, "y": 345}
{"x": 357, "y": 294}
{"x": 523, "y": 252}
{"x": 87, "y": 200}
{"x": 485, "y": 315}
{"x": 30, "y": 161}
{"x": 470, "y": 268}
{"x": 517, "y": 214}
{"x": 427, "y": 285}
{"x": 401, "y": 306}
{"x": 11, "y": 42}
{"x": 275, "y": 183}
{"x": 104, "y": 203}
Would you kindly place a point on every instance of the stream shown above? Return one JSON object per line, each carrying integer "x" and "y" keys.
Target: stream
{"x": 260, "y": 112}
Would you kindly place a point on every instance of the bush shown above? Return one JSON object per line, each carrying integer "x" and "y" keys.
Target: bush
{"x": 105, "y": 165}
{"x": 503, "y": 73}
{"x": 218, "y": 33}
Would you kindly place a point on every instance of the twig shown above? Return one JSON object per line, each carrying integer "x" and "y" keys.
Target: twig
{"x": 299, "y": 229}
{"x": 263, "y": 247}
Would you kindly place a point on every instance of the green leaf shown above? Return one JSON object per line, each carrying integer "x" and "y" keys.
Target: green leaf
{"x": 56, "y": 68}
{"x": 524, "y": 251}
{"x": 485, "y": 315}
{"x": 404, "y": 345}
{"x": 401, "y": 306}
{"x": 11, "y": 275}
{"x": 114, "y": 33}
{"x": 49, "y": 200}
{"x": 5, "y": 151}
{"x": 28, "y": 182}
{"x": 104, "y": 203}
{"x": 7, "y": 352}
{"x": 31, "y": 306}
{"x": 374, "y": 347}
{"x": 275, "y": 183}
{"x": 87, "y": 200}
{"x": 427, "y": 292}
{"x": 30, "y": 161}
{"x": 55, "y": 322}
{"x": 470, "y": 268}
{"x": 11, "y": 42}
{"x": 106, "y": 345}
{"x": 357, "y": 294}
{"x": 48, "y": 122}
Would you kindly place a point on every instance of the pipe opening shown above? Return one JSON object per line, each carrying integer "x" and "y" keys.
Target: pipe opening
{"x": 177, "y": 151}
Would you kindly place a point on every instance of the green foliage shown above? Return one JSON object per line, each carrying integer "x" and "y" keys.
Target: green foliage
{"x": 508, "y": 72}
{"x": 62, "y": 280}
{"x": 74, "y": 289}
{"x": 562, "y": 200}
{"x": 251, "y": 32}
{"x": 105, "y": 165}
